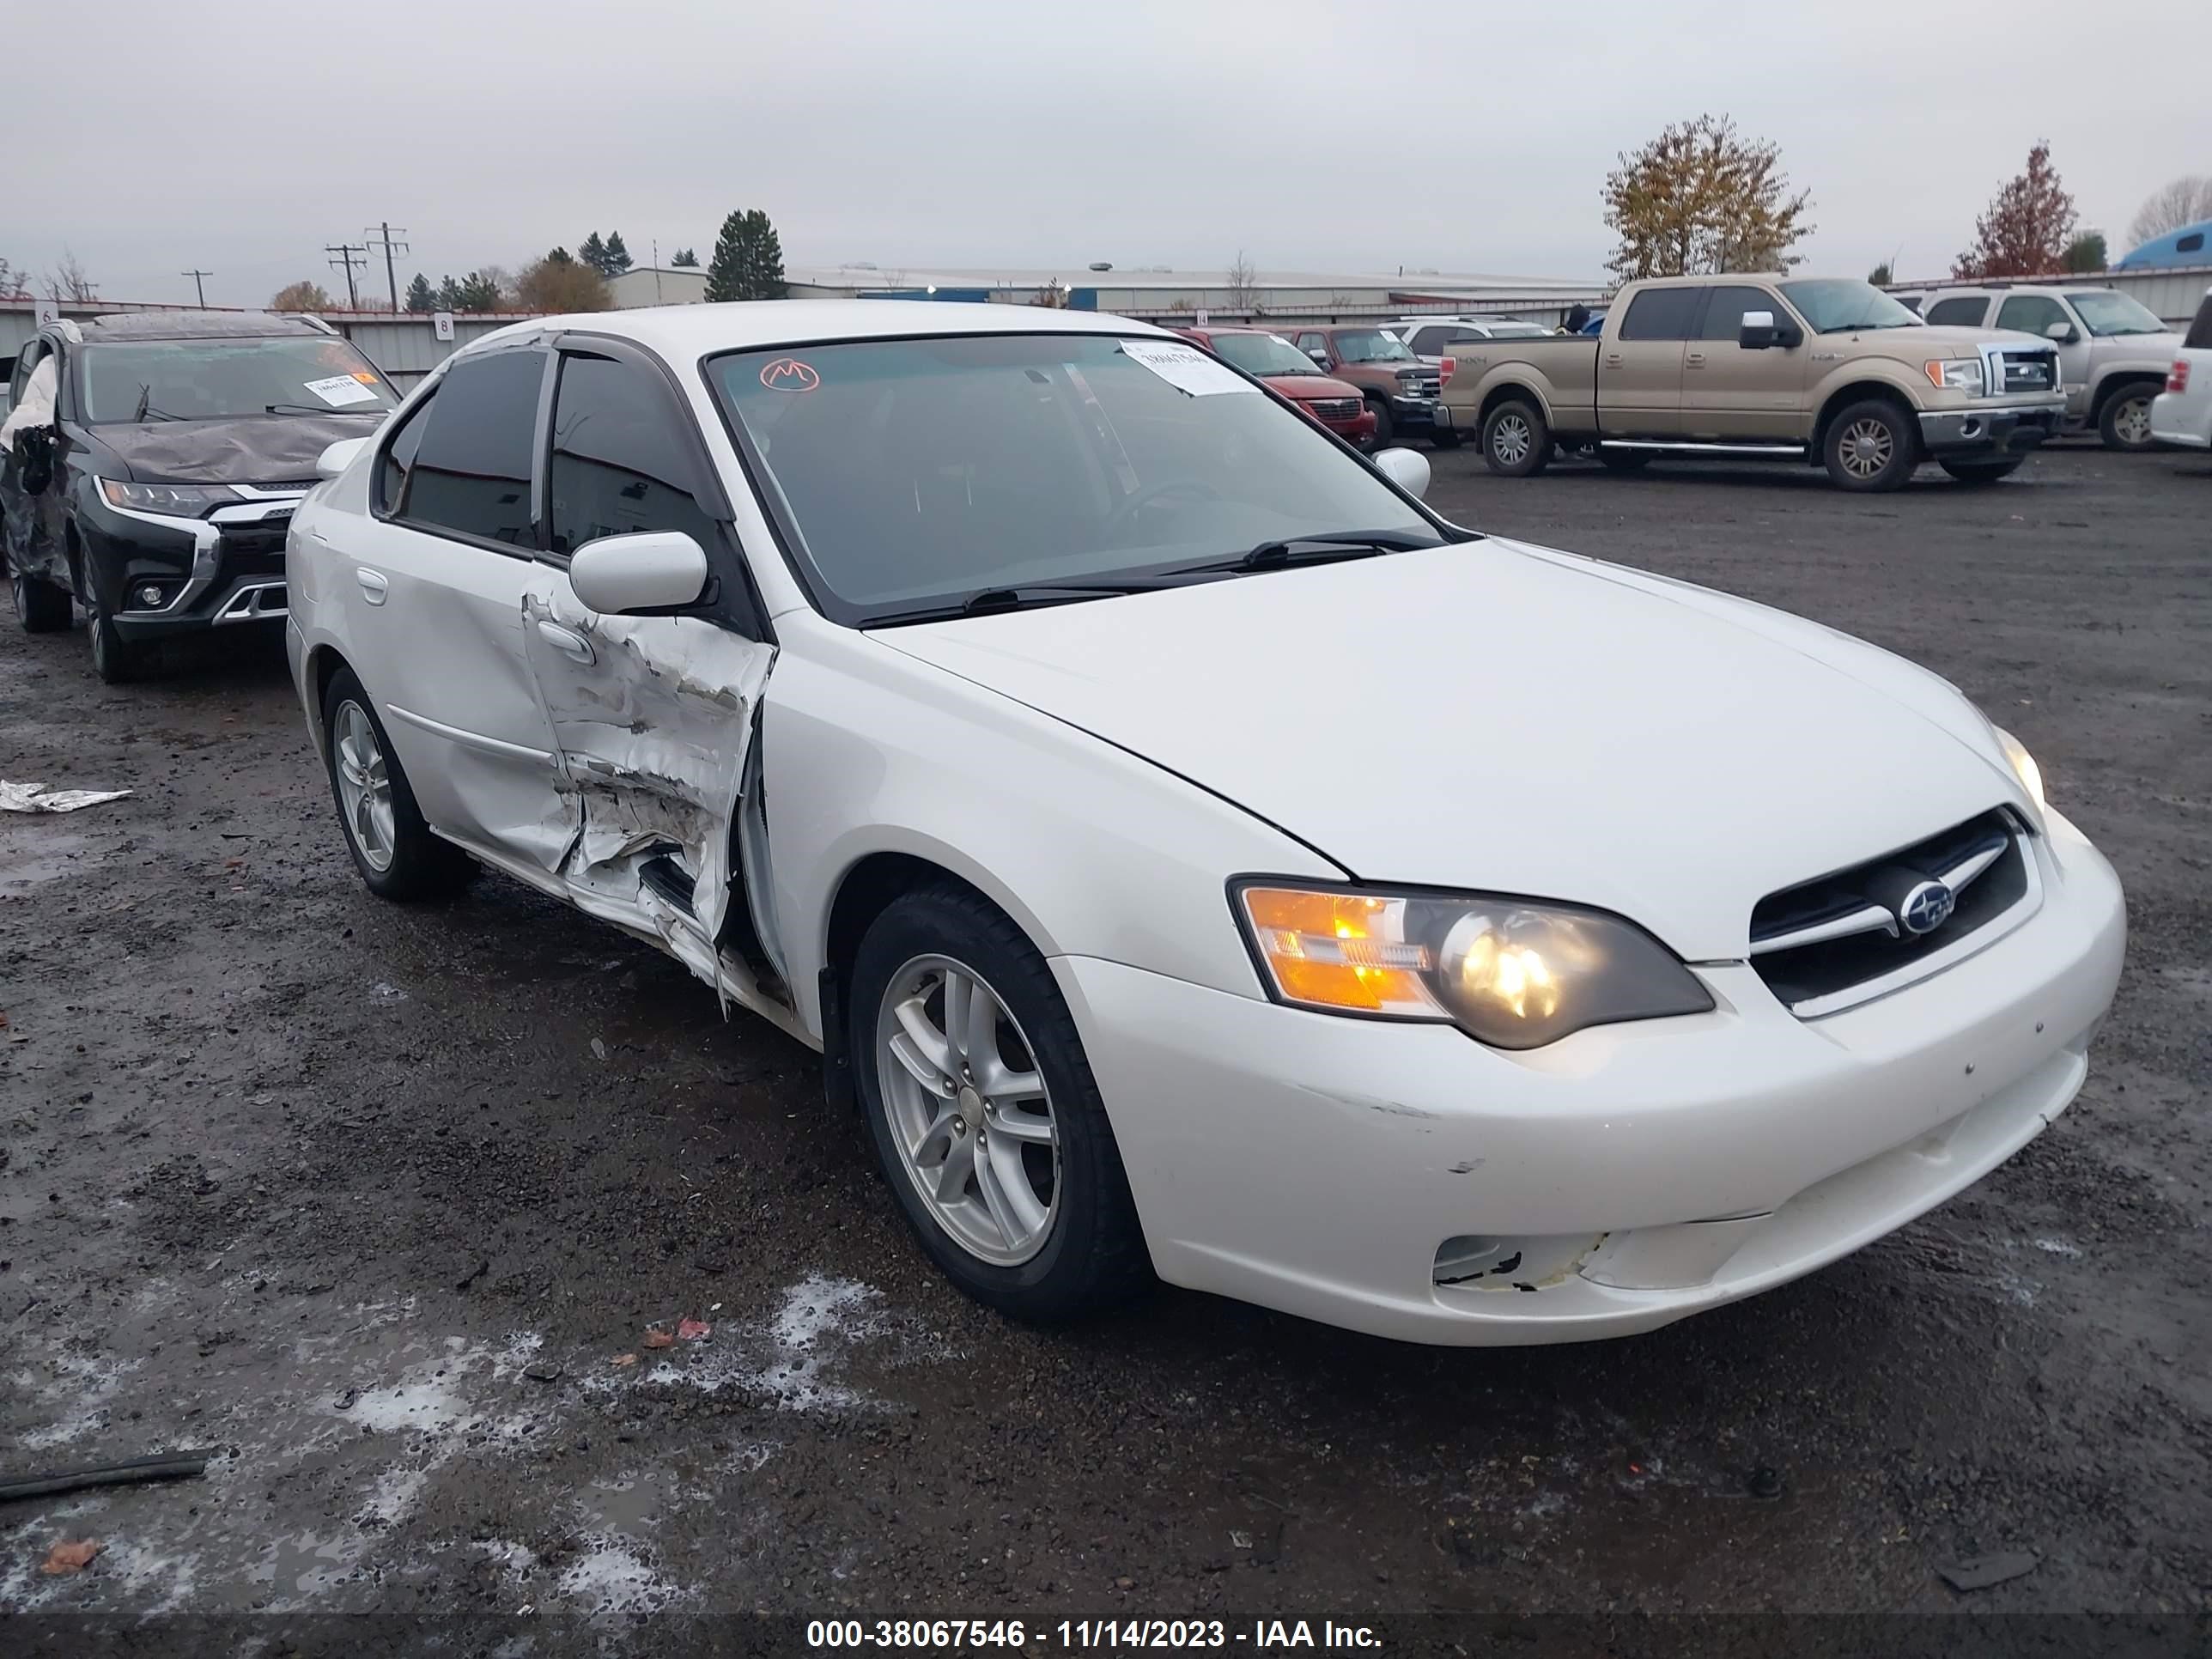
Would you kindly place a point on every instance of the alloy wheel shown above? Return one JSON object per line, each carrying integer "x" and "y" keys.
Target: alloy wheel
{"x": 364, "y": 785}
{"x": 2131, "y": 422}
{"x": 1509, "y": 439}
{"x": 1865, "y": 448}
{"x": 969, "y": 1111}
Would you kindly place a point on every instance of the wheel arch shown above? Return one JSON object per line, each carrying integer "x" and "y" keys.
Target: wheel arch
{"x": 2114, "y": 382}
{"x": 324, "y": 664}
{"x": 1859, "y": 390}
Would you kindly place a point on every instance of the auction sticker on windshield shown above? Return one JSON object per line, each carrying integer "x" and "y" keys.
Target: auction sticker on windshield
{"x": 1185, "y": 367}
{"x": 340, "y": 391}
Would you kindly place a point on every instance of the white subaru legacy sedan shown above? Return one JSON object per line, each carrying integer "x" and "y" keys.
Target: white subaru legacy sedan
{"x": 1192, "y": 855}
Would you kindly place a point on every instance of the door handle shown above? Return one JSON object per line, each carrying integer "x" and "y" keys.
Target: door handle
{"x": 374, "y": 585}
{"x": 1694, "y": 359}
{"x": 566, "y": 642}
{"x": 1613, "y": 360}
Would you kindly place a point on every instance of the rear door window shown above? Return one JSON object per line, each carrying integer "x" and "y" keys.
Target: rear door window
{"x": 619, "y": 463}
{"x": 2200, "y": 332}
{"x": 1661, "y": 313}
{"x": 469, "y": 474}
{"x": 1959, "y": 311}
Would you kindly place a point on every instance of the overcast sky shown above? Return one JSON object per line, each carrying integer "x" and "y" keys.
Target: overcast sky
{"x": 1346, "y": 137}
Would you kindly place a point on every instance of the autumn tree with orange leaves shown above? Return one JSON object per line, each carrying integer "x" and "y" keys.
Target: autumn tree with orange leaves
{"x": 2027, "y": 229}
{"x": 1699, "y": 198}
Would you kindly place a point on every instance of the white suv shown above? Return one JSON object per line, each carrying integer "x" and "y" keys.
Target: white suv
{"x": 2182, "y": 414}
{"x": 2113, "y": 352}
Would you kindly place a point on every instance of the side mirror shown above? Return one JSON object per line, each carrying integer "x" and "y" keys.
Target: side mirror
{"x": 1319, "y": 354}
{"x": 1757, "y": 332}
{"x": 653, "y": 570}
{"x": 1408, "y": 469}
{"x": 338, "y": 457}
{"x": 2064, "y": 333}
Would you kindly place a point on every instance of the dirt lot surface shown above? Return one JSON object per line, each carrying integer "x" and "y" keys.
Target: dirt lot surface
{"x": 373, "y": 1199}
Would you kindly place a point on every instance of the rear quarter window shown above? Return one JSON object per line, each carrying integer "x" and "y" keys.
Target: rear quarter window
{"x": 2200, "y": 332}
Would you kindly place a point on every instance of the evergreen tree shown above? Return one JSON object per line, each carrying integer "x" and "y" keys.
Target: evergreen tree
{"x": 748, "y": 262}
{"x": 686, "y": 259}
{"x": 421, "y": 296}
{"x": 618, "y": 259}
{"x": 478, "y": 292}
{"x": 560, "y": 256}
{"x": 449, "y": 295}
{"x": 593, "y": 252}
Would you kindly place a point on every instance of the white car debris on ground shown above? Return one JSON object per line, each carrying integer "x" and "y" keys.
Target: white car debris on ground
{"x": 37, "y": 797}
{"x": 1196, "y": 856}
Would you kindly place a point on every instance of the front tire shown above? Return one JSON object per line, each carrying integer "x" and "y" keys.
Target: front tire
{"x": 1871, "y": 446}
{"x": 1445, "y": 437}
{"x": 1385, "y": 427}
{"x": 1516, "y": 440}
{"x": 1980, "y": 473}
{"x": 114, "y": 658}
{"x": 40, "y": 607}
{"x": 393, "y": 848}
{"x": 2124, "y": 421}
{"x": 985, "y": 1116}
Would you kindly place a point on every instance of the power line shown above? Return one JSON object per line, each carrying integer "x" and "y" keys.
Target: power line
{"x": 384, "y": 240}
{"x": 346, "y": 262}
{"x": 199, "y": 285}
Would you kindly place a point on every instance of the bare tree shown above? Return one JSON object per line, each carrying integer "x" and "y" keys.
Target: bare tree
{"x": 2184, "y": 201}
{"x": 13, "y": 284}
{"x": 1053, "y": 296}
{"x": 67, "y": 282}
{"x": 1242, "y": 285}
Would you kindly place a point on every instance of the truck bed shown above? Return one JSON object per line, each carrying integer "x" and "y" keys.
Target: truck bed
{"x": 1562, "y": 367}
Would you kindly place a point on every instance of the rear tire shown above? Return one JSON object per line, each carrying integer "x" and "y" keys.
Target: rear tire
{"x": 2124, "y": 421}
{"x": 398, "y": 857}
{"x": 1446, "y": 437}
{"x": 1623, "y": 460}
{"x": 1871, "y": 446}
{"x": 1385, "y": 427}
{"x": 40, "y": 607}
{"x": 1516, "y": 441}
{"x": 1067, "y": 1242}
{"x": 1980, "y": 473}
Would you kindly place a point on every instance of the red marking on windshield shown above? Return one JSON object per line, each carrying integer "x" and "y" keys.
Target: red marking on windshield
{"x": 789, "y": 375}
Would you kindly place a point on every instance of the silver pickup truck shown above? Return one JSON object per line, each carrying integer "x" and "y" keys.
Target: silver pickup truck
{"x": 1826, "y": 370}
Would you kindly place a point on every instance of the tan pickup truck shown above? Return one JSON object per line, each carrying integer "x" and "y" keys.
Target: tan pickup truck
{"x": 1821, "y": 369}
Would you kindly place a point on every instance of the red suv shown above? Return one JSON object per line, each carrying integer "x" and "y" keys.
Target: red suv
{"x": 1268, "y": 356}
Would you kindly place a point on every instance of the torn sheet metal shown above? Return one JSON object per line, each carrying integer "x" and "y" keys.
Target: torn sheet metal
{"x": 652, "y": 718}
{"x": 37, "y": 797}
{"x": 253, "y": 450}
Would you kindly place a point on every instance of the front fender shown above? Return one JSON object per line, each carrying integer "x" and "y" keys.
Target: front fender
{"x": 1092, "y": 850}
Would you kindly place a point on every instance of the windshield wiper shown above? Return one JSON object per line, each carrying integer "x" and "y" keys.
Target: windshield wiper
{"x": 1025, "y": 597}
{"x": 299, "y": 409}
{"x": 145, "y": 408}
{"x": 1329, "y": 547}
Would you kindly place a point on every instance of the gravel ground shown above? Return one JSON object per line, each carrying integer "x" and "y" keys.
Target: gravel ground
{"x": 373, "y": 1199}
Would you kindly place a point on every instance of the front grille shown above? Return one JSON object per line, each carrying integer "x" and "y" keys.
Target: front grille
{"x": 1814, "y": 943}
{"x": 1336, "y": 408}
{"x": 1422, "y": 386}
{"x": 2029, "y": 371}
{"x": 253, "y": 550}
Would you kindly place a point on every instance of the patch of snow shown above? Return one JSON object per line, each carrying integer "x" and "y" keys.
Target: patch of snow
{"x": 84, "y": 1385}
{"x": 2057, "y": 1247}
{"x": 610, "y": 1579}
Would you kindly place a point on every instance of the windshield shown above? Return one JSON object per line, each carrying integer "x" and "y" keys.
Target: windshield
{"x": 1262, "y": 354}
{"x": 1371, "y": 346}
{"x": 2106, "y": 314}
{"x": 922, "y": 472}
{"x": 219, "y": 379}
{"x": 1832, "y": 304}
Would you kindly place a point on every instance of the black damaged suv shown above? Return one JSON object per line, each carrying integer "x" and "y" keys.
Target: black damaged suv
{"x": 157, "y": 496}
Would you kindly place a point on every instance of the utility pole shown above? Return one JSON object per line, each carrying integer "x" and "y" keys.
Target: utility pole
{"x": 381, "y": 236}
{"x": 199, "y": 285}
{"x": 346, "y": 262}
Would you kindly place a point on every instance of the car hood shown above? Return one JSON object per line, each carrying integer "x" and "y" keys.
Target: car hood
{"x": 256, "y": 449}
{"x": 1940, "y": 339}
{"x": 1494, "y": 716}
{"x": 1310, "y": 385}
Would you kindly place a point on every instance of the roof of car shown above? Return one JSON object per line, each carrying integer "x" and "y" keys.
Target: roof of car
{"x": 197, "y": 325}
{"x": 682, "y": 332}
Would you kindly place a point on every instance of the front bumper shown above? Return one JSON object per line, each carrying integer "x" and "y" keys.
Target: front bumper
{"x": 1417, "y": 412}
{"x": 223, "y": 570}
{"x": 1359, "y": 430}
{"x": 2004, "y": 429}
{"x": 1627, "y": 1177}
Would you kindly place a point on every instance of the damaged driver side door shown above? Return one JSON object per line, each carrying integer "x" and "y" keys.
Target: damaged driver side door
{"x": 652, "y": 715}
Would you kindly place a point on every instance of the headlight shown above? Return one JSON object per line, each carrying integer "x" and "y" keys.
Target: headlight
{"x": 187, "y": 500}
{"x": 1955, "y": 375}
{"x": 2030, "y": 774}
{"x": 1509, "y": 972}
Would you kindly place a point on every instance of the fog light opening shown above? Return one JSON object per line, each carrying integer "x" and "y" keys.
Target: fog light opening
{"x": 1469, "y": 1256}
{"x": 150, "y": 596}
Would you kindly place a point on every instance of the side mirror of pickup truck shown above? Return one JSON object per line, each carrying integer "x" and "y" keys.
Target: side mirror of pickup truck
{"x": 2064, "y": 333}
{"x": 1757, "y": 332}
